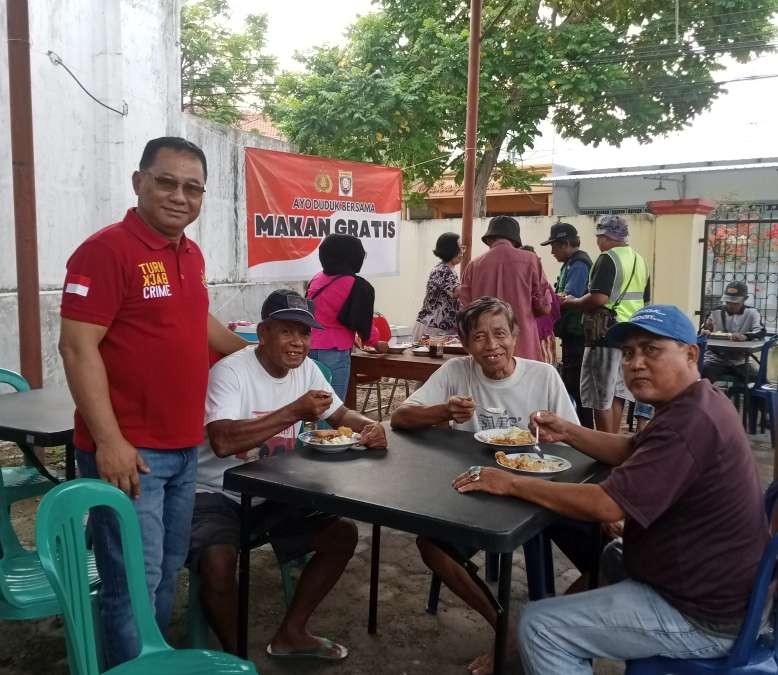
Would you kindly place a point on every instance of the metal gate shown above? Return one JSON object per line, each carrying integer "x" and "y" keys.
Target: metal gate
{"x": 741, "y": 244}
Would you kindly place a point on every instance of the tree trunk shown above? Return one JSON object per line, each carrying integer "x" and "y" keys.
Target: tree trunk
{"x": 484, "y": 173}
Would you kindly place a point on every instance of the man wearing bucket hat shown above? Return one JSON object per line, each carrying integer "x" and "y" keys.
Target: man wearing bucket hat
{"x": 740, "y": 323}
{"x": 618, "y": 287}
{"x": 510, "y": 274}
{"x": 257, "y": 399}
{"x": 688, "y": 490}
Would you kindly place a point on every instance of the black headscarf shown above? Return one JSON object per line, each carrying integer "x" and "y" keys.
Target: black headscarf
{"x": 343, "y": 255}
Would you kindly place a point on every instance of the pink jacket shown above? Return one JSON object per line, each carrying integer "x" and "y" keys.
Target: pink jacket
{"x": 516, "y": 277}
{"x": 326, "y": 308}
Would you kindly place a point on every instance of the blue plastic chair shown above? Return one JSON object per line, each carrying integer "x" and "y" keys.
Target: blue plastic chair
{"x": 21, "y": 482}
{"x": 751, "y": 653}
{"x": 762, "y": 390}
{"x": 59, "y": 534}
{"x": 702, "y": 343}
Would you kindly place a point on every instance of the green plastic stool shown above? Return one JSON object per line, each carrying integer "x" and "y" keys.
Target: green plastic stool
{"x": 59, "y": 534}
{"x": 197, "y": 622}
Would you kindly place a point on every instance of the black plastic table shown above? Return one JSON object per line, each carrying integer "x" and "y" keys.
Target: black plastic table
{"x": 407, "y": 487}
{"x": 40, "y": 417}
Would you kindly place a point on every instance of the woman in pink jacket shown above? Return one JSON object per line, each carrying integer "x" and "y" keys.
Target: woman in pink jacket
{"x": 343, "y": 305}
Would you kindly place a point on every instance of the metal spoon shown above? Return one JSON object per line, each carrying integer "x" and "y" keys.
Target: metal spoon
{"x": 537, "y": 447}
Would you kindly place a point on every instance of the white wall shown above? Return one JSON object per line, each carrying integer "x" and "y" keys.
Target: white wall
{"x": 400, "y": 298}
{"x": 746, "y": 185}
{"x": 85, "y": 154}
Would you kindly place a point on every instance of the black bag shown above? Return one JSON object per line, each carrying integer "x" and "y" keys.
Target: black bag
{"x": 597, "y": 322}
{"x": 596, "y": 325}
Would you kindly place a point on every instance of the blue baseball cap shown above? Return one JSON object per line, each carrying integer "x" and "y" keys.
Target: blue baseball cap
{"x": 663, "y": 320}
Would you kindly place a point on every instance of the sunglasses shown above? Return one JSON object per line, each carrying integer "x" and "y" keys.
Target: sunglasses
{"x": 166, "y": 184}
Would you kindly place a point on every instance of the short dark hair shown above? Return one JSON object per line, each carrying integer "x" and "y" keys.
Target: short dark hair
{"x": 467, "y": 317}
{"x": 174, "y": 143}
{"x": 575, "y": 242}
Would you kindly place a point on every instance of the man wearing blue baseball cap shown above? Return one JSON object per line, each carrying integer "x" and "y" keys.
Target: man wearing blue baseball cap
{"x": 688, "y": 491}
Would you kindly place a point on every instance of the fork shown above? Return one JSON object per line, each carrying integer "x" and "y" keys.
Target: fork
{"x": 537, "y": 447}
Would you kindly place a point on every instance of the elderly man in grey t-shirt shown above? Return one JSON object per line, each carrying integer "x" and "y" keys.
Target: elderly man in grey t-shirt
{"x": 688, "y": 490}
{"x": 741, "y": 323}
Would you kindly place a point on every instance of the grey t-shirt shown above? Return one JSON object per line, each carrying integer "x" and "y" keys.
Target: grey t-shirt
{"x": 532, "y": 386}
{"x": 748, "y": 322}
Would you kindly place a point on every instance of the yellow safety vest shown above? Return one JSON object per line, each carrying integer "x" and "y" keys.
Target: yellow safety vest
{"x": 624, "y": 258}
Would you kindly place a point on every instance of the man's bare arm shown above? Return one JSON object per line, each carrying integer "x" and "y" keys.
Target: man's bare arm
{"x": 586, "y": 303}
{"x": 117, "y": 461}
{"x": 221, "y": 339}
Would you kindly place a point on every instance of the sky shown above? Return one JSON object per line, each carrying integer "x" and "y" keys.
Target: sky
{"x": 739, "y": 125}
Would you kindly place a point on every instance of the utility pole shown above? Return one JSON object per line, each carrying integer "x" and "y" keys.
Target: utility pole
{"x": 23, "y": 169}
{"x": 471, "y": 127}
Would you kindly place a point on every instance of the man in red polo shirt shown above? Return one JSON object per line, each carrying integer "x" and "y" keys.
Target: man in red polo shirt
{"x": 134, "y": 340}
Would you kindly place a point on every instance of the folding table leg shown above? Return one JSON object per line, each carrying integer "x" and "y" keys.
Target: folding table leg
{"x": 70, "y": 461}
{"x": 536, "y": 572}
{"x": 375, "y": 558}
{"x": 503, "y": 614}
{"x": 243, "y": 575}
{"x": 594, "y": 566}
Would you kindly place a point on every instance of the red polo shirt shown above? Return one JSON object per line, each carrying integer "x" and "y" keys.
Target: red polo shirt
{"x": 152, "y": 296}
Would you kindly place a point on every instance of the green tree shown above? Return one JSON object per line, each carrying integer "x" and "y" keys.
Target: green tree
{"x": 222, "y": 73}
{"x": 600, "y": 70}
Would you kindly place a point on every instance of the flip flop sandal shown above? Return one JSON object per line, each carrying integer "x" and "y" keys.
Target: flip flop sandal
{"x": 326, "y": 650}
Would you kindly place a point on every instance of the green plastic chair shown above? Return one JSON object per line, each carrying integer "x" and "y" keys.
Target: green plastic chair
{"x": 197, "y": 622}
{"x": 25, "y": 592}
{"x": 325, "y": 370}
{"x": 59, "y": 534}
{"x": 21, "y": 482}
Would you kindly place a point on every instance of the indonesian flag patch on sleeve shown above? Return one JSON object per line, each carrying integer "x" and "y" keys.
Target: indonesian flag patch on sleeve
{"x": 75, "y": 283}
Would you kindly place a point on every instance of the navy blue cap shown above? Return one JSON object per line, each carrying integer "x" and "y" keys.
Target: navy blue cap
{"x": 288, "y": 305}
{"x": 664, "y": 320}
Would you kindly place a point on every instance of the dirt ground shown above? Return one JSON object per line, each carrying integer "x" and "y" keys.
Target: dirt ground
{"x": 408, "y": 640}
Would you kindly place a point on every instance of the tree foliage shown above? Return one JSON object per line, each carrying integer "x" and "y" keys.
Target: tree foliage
{"x": 601, "y": 70}
{"x": 222, "y": 73}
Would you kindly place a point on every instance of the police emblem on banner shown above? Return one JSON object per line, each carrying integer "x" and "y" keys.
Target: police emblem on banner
{"x": 323, "y": 182}
{"x": 345, "y": 183}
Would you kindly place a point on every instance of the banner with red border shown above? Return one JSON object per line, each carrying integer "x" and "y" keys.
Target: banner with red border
{"x": 293, "y": 201}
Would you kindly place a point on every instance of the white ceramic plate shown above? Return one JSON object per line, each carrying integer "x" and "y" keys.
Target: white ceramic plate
{"x": 399, "y": 348}
{"x": 310, "y": 440}
{"x": 421, "y": 351}
{"x": 486, "y": 436}
{"x": 556, "y": 464}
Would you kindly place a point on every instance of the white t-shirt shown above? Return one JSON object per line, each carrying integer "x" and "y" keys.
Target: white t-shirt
{"x": 532, "y": 386}
{"x": 239, "y": 388}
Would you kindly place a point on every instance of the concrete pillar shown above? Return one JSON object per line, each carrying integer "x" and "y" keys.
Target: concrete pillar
{"x": 678, "y": 252}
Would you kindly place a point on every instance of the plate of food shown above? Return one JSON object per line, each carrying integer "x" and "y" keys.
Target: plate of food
{"x": 513, "y": 437}
{"x": 330, "y": 440}
{"x": 400, "y": 347}
{"x": 530, "y": 464}
{"x": 421, "y": 351}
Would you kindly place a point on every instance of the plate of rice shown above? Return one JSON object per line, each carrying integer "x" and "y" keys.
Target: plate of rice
{"x": 330, "y": 440}
{"x": 513, "y": 437}
{"x": 530, "y": 464}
